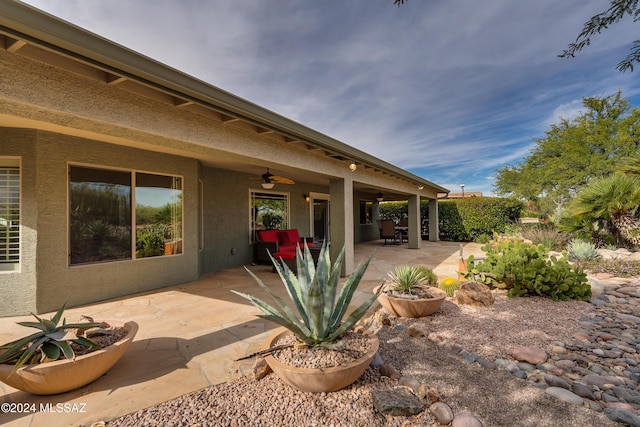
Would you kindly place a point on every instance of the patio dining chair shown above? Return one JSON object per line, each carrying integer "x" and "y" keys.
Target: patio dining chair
{"x": 389, "y": 231}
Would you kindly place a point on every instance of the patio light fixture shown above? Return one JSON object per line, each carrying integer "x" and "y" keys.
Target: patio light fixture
{"x": 267, "y": 185}
{"x": 353, "y": 166}
{"x": 379, "y": 196}
{"x": 306, "y": 198}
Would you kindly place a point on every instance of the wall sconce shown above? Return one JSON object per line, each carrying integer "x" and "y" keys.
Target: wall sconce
{"x": 353, "y": 166}
{"x": 267, "y": 185}
{"x": 306, "y": 198}
{"x": 420, "y": 187}
{"x": 379, "y": 196}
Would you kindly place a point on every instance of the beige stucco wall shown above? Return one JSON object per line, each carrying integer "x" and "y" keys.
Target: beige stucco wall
{"x": 45, "y": 179}
{"x": 18, "y": 289}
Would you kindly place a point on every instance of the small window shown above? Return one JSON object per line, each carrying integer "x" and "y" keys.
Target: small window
{"x": 269, "y": 211}
{"x": 366, "y": 211}
{"x": 9, "y": 214}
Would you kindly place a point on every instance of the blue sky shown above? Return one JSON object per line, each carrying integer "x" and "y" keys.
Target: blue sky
{"x": 447, "y": 89}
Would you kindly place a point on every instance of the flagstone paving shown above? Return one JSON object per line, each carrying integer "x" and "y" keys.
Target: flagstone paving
{"x": 190, "y": 336}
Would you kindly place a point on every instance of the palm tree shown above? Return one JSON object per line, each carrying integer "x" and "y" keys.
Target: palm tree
{"x": 614, "y": 199}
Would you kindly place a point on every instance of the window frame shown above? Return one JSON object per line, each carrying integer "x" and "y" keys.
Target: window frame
{"x": 17, "y": 265}
{"x": 286, "y": 197}
{"x": 132, "y": 183}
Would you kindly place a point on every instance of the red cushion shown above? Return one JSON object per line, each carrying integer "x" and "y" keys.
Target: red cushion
{"x": 288, "y": 237}
{"x": 285, "y": 255}
{"x": 268, "y": 235}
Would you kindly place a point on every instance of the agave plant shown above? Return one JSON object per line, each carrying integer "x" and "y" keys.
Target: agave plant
{"x": 404, "y": 278}
{"x": 582, "y": 250}
{"x": 314, "y": 292}
{"x": 52, "y": 340}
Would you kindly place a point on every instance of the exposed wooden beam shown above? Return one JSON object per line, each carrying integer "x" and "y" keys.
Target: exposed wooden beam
{"x": 262, "y": 131}
{"x": 229, "y": 119}
{"x": 13, "y": 45}
{"x": 179, "y": 102}
{"x": 113, "y": 79}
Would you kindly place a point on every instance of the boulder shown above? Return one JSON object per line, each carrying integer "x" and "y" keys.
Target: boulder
{"x": 473, "y": 293}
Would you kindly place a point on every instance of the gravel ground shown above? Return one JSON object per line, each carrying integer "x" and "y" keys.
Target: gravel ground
{"x": 495, "y": 397}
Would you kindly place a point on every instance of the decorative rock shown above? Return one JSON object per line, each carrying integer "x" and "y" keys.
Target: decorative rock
{"x": 565, "y": 364}
{"x": 387, "y": 370}
{"x": 473, "y": 293}
{"x": 442, "y": 412}
{"x": 601, "y": 380}
{"x": 556, "y": 349}
{"x": 260, "y": 368}
{"x": 529, "y": 354}
{"x": 414, "y": 331}
{"x": 377, "y": 360}
{"x": 622, "y": 416}
{"x": 564, "y": 395}
{"x": 582, "y": 390}
{"x": 554, "y": 381}
{"x": 629, "y": 396}
{"x": 620, "y": 405}
{"x": 409, "y": 382}
{"x": 628, "y": 318}
{"x": 397, "y": 402}
{"x": 465, "y": 419}
{"x": 433, "y": 396}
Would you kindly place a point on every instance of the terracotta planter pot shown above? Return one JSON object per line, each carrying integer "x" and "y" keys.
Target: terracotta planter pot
{"x": 66, "y": 375}
{"x": 317, "y": 380}
{"x": 403, "y": 307}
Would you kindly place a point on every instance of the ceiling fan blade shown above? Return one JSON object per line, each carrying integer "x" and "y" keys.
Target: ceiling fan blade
{"x": 281, "y": 180}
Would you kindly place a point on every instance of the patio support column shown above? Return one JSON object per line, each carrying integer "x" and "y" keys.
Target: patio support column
{"x": 341, "y": 219}
{"x": 434, "y": 229}
{"x": 414, "y": 222}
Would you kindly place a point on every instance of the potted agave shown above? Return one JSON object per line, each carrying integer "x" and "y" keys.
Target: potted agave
{"x": 411, "y": 292}
{"x": 317, "y": 351}
{"x": 60, "y": 357}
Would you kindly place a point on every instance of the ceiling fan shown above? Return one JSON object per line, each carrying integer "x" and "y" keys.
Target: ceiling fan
{"x": 269, "y": 180}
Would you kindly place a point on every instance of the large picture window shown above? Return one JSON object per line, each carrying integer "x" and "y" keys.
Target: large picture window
{"x": 102, "y": 215}
{"x": 269, "y": 211}
{"x": 9, "y": 214}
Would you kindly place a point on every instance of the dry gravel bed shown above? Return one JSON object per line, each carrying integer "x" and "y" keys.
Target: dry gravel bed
{"x": 493, "y": 396}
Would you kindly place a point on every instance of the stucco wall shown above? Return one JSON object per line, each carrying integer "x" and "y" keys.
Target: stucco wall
{"x": 57, "y": 281}
{"x": 18, "y": 289}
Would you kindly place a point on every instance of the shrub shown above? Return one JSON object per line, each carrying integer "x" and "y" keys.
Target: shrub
{"x": 581, "y": 250}
{"x": 526, "y": 269}
{"x": 547, "y": 235}
{"x": 467, "y": 219}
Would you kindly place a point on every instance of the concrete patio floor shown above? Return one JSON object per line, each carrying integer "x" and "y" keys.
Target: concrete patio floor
{"x": 190, "y": 336}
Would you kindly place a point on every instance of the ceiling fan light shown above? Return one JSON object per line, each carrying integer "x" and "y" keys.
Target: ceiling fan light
{"x": 379, "y": 196}
{"x": 267, "y": 185}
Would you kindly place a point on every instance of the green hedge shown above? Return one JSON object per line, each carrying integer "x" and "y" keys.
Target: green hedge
{"x": 462, "y": 220}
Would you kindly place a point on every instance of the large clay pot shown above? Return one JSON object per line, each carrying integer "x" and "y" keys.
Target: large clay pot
{"x": 404, "y": 307}
{"x": 317, "y": 380}
{"x": 66, "y": 375}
